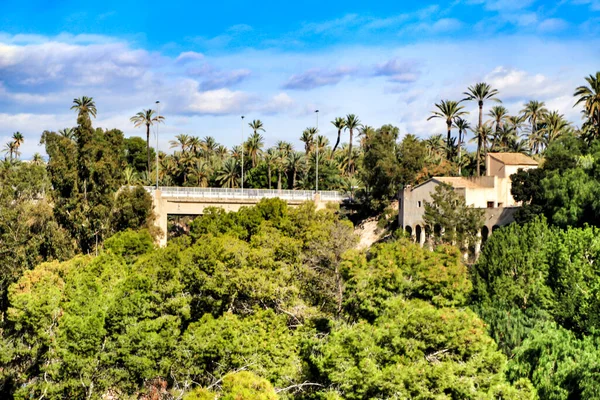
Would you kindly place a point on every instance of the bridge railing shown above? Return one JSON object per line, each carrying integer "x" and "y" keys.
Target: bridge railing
{"x": 226, "y": 193}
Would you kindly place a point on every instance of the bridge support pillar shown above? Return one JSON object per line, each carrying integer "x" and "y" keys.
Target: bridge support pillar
{"x": 320, "y": 204}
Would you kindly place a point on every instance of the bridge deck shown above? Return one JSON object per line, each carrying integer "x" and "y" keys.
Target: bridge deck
{"x": 250, "y": 194}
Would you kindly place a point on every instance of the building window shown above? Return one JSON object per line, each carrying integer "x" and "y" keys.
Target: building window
{"x": 419, "y": 203}
{"x": 490, "y": 204}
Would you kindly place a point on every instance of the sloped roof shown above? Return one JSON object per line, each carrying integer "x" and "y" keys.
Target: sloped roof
{"x": 513, "y": 158}
{"x": 458, "y": 182}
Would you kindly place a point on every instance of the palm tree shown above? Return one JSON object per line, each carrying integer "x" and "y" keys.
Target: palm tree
{"x": 435, "y": 147}
{"x": 209, "y": 146}
{"x": 69, "y": 133}
{"x": 228, "y": 176}
{"x": 480, "y": 92}
{"x": 463, "y": 126}
{"x": 256, "y": 126}
{"x": 308, "y": 137}
{"x": 146, "y": 118}
{"x": 37, "y": 159}
{"x": 534, "y": 111}
{"x": 553, "y": 126}
{"x": 10, "y": 149}
{"x": 590, "y": 96}
{"x": 270, "y": 159}
{"x": 295, "y": 161}
{"x": 340, "y": 124}
{"x": 85, "y": 105}
{"x": 18, "y": 140}
{"x": 482, "y": 134}
{"x": 221, "y": 151}
{"x": 254, "y": 147}
{"x": 365, "y": 133}
{"x": 499, "y": 114}
{"x": 182, "y": 141}
{"x": 448, "y": 110}
{"x": 202, "y": 171}
{"x": 195, "y": 145}
{"x": 130, "y": 176}
{"x": 352, "y": 122}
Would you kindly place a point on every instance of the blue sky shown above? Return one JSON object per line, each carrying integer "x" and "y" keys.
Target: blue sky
{"x": 210, "y": 62}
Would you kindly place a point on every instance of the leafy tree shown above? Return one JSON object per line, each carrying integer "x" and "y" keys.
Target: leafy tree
{"x": 415, "y": 350}
{"x": 136, "y": 153}
{"x": 457, "y": 223}
{"x": 380, "y": 167}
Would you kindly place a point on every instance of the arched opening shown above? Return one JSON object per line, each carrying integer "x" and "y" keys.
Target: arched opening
{"x": 485, "y": 233}
{"x": 408, "y": 230}
{"x": 419, "y": 234}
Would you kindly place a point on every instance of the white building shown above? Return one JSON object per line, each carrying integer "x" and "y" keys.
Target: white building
{"x": 490, "y": 192}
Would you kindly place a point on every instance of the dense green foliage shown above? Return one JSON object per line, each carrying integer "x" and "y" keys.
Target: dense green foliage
{"x": 275, "y": 291}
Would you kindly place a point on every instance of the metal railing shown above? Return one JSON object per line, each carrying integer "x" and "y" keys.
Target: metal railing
{"x": 225, "y": 193}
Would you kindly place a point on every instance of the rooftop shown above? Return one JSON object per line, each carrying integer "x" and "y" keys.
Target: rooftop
{"x": 460, "y": 182}
{"x": 513, "y": 158}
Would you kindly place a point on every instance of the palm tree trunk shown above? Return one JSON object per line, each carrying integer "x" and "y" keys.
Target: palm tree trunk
{"x": 279, "y": 180}
{"x": 269, "y": 175}
{"x": 448, "y": 149}
{"x": 350, "y": 153}
{"x": 148, "y": 146}
{"x": 459, "y": 151}
{"x": 479, "y": 129}
{"x": 336, "y": 142}
{"x": 294, "y": 179}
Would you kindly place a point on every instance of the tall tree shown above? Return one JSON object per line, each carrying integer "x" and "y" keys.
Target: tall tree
{"x": 352, "y": 123}
{"x": 228, "y": 176}
{"x": 256, "y": 126}
{"x": 463, "y": 126}
{"x": 18, "y": 141}
{"x": 590, "y": 97}
{"x": 296, "y": 161}
{"x": 340, "y": 124}
{"x": 182, "y": 141}
{"x": 308, "y": 137}
{"x": 534, "y": 111}
{"x": 85, "y": 106}
{"x": 254, "y": 146}
{"x": 480, "y": 92}
{"x": 448, "y": 110}
{"x": 499, "y": 114}
{"x": 147, "y": 118}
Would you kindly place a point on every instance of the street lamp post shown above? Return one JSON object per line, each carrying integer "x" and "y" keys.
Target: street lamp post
{"x": 242, "y": 155}
{"x": 317, "y": 143}
{"x": 157, "y": 123}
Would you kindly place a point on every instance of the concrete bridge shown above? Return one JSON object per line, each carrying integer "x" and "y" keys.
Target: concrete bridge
{"x": 193, "y": 201}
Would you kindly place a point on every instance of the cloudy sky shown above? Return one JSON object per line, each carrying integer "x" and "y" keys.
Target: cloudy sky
{"x": 211, "y": 62}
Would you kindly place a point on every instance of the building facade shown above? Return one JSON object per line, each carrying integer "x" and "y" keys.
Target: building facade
{"x": 490, "y": 192}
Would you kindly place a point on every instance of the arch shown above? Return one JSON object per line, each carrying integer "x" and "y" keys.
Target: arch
{"x": 419, "y": 234}
{"x": 409, "y": 230}
{"x": 485, "y": 234}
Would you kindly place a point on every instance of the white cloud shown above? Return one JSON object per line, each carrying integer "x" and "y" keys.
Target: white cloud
{"x": 553, "y": 25}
